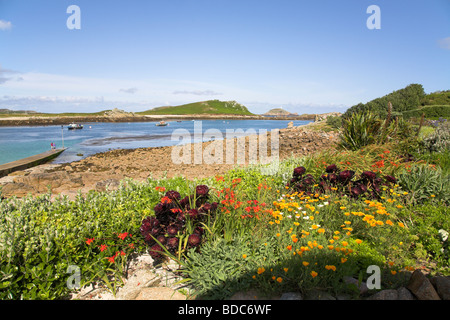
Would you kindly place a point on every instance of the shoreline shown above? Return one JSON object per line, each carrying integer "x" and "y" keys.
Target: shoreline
{"x": 65, "y": 120}
{"x": 105, "y": 170}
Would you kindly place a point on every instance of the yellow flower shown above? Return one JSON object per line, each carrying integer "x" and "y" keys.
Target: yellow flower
{"x": 342, "y": 208}
{"x": 244, "y": 256}
{"x": 313, "y": 274}
{"x": 321, "y": 230}
{"x": 358, "y": 241}
{"x": 278, "y": 234}
{"x": 314, "y": 226}
{"x": 432, "y": 196}
{"x": 401, "y": 224}
{"x": 320, "y": 246}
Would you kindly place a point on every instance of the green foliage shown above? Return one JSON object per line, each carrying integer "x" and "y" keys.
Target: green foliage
{"x": 402, "y": 100}
{"x": 359, "y": 130}
{"x": 431, "y": 112}
{"x": 424, "y": 182}
{"x": 436, "y": 98}
{"x": 430, "y": 225}
{"x": 334, "y": 121}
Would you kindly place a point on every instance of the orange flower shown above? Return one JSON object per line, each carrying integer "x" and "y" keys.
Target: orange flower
{"x": 279, "y": 279}
{"x": 358, "y": 241}
{"x": 313, "y": 274}
{"x": 289, "y": 247}
{"x": 305, "y": 263}
{"x": 89, "y": 241}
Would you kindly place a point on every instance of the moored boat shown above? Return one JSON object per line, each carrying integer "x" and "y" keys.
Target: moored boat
{"x": 162, "y": 124}
{"x": 74, "y": 126}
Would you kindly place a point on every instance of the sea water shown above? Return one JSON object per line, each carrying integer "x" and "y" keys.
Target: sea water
{"x": 25, "y": 141}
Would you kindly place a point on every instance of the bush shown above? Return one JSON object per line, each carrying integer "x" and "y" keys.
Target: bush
{"x": 424, "y": 182}
{"x": 439, "y": 141}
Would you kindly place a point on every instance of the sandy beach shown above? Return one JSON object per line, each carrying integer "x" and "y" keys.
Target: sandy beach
{"x": 105, "y": 170}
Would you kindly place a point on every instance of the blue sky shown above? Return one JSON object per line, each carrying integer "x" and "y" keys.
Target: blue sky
{"x": 304, "y": 56}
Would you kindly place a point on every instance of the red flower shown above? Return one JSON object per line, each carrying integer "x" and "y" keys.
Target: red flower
{"x": 89, "y": 241}
{"x": 122, "y": 236}
{"x": 166, "y": 200}
{"x": 103, "y": 247}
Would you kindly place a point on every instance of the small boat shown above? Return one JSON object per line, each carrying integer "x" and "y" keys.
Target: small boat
{"x": 162, "y": 124}
{"x": 74, "y": 126}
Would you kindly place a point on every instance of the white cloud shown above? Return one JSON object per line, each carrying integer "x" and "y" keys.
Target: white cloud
{"x": 5, "y": 25}
{"x": 129, "y": 90}
{"x": 444, "y": 43}
{"x": 198, "y": 92}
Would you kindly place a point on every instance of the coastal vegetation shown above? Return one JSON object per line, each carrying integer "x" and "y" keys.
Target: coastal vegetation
{"x": 409, "y": 102}
{"x": 254, "y": 230}
{"x": 381, "y": 198}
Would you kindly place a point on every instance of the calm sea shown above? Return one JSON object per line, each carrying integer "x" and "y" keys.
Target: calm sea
{"x": 21, "y": 142}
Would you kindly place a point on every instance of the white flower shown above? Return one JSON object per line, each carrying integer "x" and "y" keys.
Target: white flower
{"x": 306, "y": 218}
{"x": 326, "y": 203}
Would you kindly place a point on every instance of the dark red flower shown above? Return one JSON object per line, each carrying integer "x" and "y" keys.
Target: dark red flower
{"x": 194, "y": 240}
{"x": 172, "y": 243}
{"x": 331, "y": 168}
{"x": 162, "y": 239}
{"x": 390, "y": 179}
{"x": 299, "y": 171}
{"x": 345, "y": 176}
{"x": 173, "y": 195}
{"x": 155, "y": 251}
{"x": 369, "y": 175}
{"x": 201, "y": 190}
{"x": 193, "y": 214}
{"x": 172, "y": 230}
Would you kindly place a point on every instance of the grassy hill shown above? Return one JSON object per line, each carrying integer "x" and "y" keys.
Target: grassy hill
{"x": 203, "y": 107}
{"x": 410, "y": 101}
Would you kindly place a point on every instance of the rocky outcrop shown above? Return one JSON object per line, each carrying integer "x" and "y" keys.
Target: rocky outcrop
{"x": 324, "y": 116}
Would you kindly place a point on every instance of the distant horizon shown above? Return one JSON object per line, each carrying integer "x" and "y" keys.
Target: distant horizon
{"x": 303, "y": 56}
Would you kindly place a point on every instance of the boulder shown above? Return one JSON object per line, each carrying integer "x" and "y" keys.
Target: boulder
{"x": 442, "y": 285}
{"x": 421, "y": 287}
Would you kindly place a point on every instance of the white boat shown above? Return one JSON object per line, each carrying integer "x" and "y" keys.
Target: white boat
{"x": 162, "y": 124}
{"x": 74, "y": 126}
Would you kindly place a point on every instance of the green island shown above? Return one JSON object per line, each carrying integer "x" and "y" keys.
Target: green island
{"x": 381, "y": 198}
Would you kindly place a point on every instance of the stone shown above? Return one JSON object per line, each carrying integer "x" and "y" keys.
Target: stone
{"x": 421, "y": 287}
{"x": 245, "y": 295}
{"x": 291, "y": 296}
{"x": 388, "y": 294}
{"x": 442, "y": 285}
{"x": 316, "y": 294}
{"x": 405, "y": 294}
{"x": 109, "y": 184}
{"x": 362, "y": 287}
{"x": 160, "y": 293}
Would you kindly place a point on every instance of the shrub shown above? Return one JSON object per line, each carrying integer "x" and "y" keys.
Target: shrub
{"x": 438, "y": 141}
{"x": 423, "y": 182}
